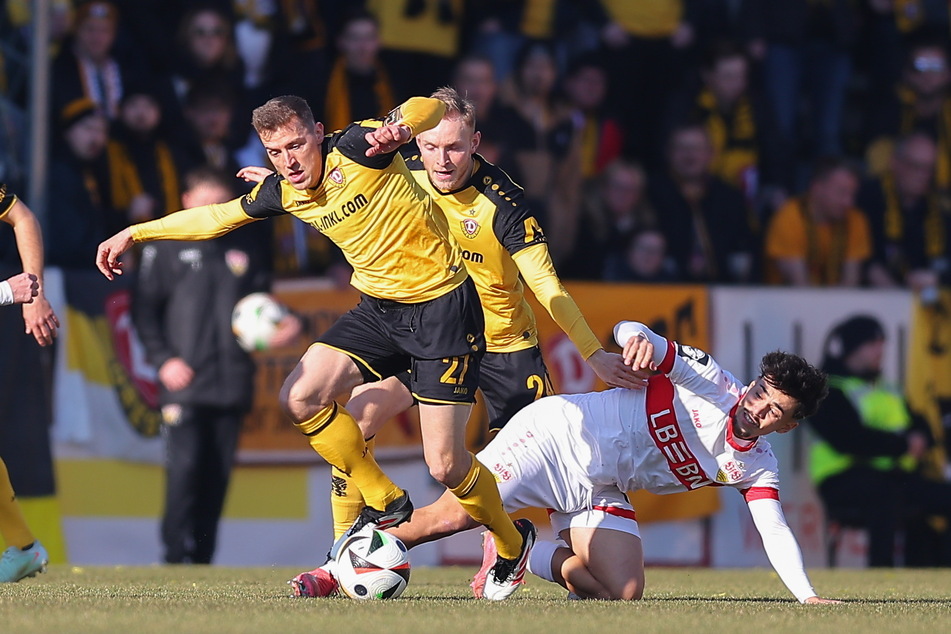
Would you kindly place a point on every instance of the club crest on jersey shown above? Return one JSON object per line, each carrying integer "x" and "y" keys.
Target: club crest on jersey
{"x": 730, "y": 472}
{"x": 470, "y": 227}
{"x": 336, "y": 176}
{"x": 689, "y": 352}
{"x": 237, "y": 261}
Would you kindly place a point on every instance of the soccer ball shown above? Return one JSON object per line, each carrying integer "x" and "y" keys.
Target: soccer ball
{"x": 372, "y": 565}
{"x": 254, "y": 320}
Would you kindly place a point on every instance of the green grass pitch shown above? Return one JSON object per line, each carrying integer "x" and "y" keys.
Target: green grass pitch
{"x": 185, "y": 600}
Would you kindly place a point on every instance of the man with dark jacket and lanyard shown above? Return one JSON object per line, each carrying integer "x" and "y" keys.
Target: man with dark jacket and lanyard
{"x": 865, "y": 462}
{"x": 184, "y": 296}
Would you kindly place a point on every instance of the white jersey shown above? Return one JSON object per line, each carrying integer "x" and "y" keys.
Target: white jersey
{"x": 674, "y": 435}
{"x": 568, "y": 452}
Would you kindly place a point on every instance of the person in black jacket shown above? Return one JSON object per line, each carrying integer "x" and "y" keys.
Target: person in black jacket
{"x": 707, "y": 222}
{"x": 865, "y": 461}
{"x": 184, "y": 295}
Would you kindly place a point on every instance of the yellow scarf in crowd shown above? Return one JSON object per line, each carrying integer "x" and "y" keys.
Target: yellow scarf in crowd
{"x": 910, "y": 123}
{"x": 337, "y": 113}
{"x": 127, "y": 184}
{"x": 826, "y": 273}
{"x": 895, "y": 220}
{"x": 733, "y": 137}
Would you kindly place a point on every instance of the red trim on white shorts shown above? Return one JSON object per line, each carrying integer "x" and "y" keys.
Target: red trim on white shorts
{"x": 627, "y": 514}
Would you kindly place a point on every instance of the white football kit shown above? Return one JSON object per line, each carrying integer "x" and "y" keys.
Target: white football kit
{"x": 576, "y": 454}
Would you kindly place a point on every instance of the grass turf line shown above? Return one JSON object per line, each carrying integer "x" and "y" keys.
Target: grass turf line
{"x": 200, "y": 599}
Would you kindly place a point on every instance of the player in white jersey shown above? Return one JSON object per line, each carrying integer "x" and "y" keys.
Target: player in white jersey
{"x": 694, "y": 425}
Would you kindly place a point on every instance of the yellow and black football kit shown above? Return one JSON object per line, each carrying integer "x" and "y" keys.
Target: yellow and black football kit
{"x": 505, "y": 249}
{"x": 7, "y": 199}
{"x": 402, "y": 257}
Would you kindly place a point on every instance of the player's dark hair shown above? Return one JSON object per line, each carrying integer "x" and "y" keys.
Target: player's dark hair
{"x": 794, "y": 376}
{"x": 280, "y": 111}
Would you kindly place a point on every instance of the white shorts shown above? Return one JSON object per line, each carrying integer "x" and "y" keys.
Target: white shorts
{"x": 533, "y": 464}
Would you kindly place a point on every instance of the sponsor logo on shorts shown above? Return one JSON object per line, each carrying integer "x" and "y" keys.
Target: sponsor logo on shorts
{"x": 501, "y": 472}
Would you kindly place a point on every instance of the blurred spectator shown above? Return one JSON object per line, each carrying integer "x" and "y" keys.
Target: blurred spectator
{"x": 586, "y": 89}
{"x": 420, "y": 37}
{"x": 920, "y": 102}
{"x": 205, "y": 51}
{"x": 308, "y": 24}
{"x": 747, "y": 149}
{"x": 870, "y": 441}
{"x": 542, "y": 141}
{"x": 806, "y": 48}
{"x": 82, "y": 214}
{"x": 263, "y": 45}
{"x": 707, "y": 221}
{"x": 209, "y": 111}
{"x": 86, "y": 67}
{"x": 647, "y": 46}
{"x": 820, "y": 238}
{"x": 359, "y": 86}
{"x": 184, "y": 296}
{"x": 888, "y": 27}
{"x": 139, "y": 152}
{"x": 908, "y": 219}
{"x": 474, "y": 79}
{"x": 615, "y": 207}
{"x": 644, "y": 260}
{"x": 501, "y": 28}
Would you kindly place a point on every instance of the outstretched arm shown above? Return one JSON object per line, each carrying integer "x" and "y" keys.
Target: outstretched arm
{"x": 197, "y": 223}
{"x": 535, "y": 265}
{"x": 38, "y": 315}
{"x": 415, "y": 115}
{"x": 782, "y": 549}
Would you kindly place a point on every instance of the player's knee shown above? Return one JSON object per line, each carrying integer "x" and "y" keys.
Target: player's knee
{"x": 300, "y": 403}
{"x": 447, "y": 471}
{"x": 630, "y": 590}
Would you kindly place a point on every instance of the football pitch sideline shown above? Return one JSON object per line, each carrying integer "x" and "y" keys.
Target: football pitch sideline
{"x": 198, "y": 599}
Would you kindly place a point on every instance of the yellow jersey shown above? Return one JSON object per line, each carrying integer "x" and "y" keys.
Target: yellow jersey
{"x": 7, "y": 200}
{"x": 371, "y": 207}
{"x": 502, "y": 245}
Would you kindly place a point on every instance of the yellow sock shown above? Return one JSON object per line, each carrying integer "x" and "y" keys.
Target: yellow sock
{"x": 480, "y": 498}
{"x": 346, "y": 501}
{"x": 335, "y": 435}
{"x": 13, "y": 527}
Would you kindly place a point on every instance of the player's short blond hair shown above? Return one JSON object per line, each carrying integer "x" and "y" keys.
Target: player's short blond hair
{"x": 456, "y": 105}
{"x": 280, "y": 112}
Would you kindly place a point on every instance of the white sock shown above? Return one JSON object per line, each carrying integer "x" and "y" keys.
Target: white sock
{"x": 539, "y": 559}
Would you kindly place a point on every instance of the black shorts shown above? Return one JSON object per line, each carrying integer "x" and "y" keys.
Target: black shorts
{"x": 509, "y": 381}
{"x": 441, "y": 342}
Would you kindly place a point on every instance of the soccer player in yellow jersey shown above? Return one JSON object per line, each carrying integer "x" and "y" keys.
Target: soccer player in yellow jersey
{"x": 24, "y": 556}
{"x": 419, "y": 309}
{"x": 502, "y": 245}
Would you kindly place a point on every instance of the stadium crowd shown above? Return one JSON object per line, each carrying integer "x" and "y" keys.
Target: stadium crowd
{"x": 670, "y": 140}
{"x": 789, "y": 142}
